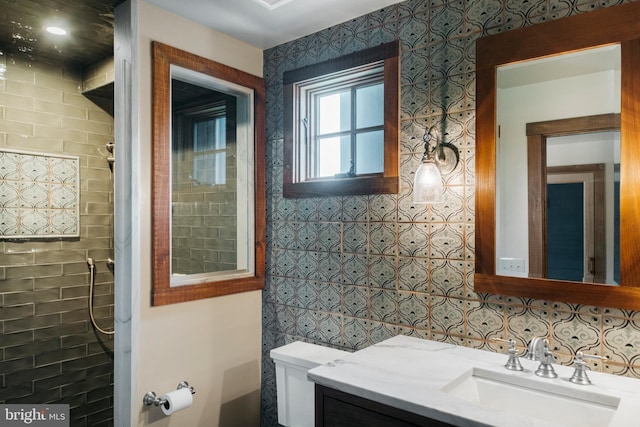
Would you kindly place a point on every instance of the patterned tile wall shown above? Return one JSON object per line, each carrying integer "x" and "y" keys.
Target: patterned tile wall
{"x": 49, "y": 353}
{"x": 348, "y": 272}
{"x": 39, "y": 195}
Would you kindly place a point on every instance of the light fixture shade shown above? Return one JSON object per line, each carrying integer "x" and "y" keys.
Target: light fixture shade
{"x": 427, "y": 184}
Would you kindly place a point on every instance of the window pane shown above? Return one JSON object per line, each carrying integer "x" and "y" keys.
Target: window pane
{"x": 209, "y": 134}
{"x": 334, "y": 156}
{"x": 370, "y": 152}
{"x": 370, "y": 106}
{"x": 334, "y": 113}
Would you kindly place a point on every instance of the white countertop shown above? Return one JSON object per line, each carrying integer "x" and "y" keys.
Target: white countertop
{"x": 409, "y": 373}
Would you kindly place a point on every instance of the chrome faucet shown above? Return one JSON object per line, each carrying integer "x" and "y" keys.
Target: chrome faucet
{"x": 513, "y": 363}
{"x": 543, "y": 354}
{"x": 580, "y": 374}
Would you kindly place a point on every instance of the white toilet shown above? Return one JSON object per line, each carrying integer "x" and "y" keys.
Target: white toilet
{"x": 295, "y": 392}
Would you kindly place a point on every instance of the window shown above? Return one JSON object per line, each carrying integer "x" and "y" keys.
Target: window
{"x": 341, "y": 125}
{"x": 210, "y": 151}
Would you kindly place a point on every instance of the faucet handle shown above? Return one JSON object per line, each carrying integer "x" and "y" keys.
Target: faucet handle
{"x": 513, "y": 363}
{"x": 580, "y": 373}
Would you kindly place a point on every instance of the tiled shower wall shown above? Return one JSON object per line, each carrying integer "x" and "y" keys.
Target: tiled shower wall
{"x": 349, "y": 272}
{"x": 49, "y": 352}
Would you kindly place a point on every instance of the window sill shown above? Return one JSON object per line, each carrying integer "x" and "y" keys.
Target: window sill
{"x": 343, "y": 187}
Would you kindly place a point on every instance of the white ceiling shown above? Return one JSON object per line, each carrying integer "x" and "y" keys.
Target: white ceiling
{"x": 268, "y": 23}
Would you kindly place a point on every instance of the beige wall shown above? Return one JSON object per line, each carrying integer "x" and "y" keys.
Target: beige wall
{"x": 215, "y": 343}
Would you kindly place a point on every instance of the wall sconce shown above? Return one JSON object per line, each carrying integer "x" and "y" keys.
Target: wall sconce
{"x": 439, "y": 158}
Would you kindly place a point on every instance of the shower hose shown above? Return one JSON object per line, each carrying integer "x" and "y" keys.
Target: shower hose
{"x": 92, "y": 270}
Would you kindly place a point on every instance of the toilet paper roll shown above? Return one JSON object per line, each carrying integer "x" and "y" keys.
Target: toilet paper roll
{"x": 177, "y": 400}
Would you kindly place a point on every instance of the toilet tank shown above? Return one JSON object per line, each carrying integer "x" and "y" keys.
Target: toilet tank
{"x": 295, "y": 392}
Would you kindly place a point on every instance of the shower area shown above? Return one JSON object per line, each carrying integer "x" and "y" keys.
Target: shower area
{"x": 56, "y": 221}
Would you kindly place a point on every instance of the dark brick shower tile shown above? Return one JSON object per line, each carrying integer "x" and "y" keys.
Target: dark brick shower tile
{"x": 59, "y": 380}
{"x": 60, "y": 355}
{"x": 61, "y": 306}
{"x": 33, "y": 322}
{"x": 22, "y": 337}
{"x": 16, "y": 312}
{"x": 33, "y": 348}
{"x": 61, "y": 330}
{"x": 20, "y": 378}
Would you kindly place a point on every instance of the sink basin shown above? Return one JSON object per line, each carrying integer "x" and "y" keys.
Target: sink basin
{"x": 564, "y": 405}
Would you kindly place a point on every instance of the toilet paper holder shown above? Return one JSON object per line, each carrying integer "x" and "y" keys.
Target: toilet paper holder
{"x": 151, "y": 399}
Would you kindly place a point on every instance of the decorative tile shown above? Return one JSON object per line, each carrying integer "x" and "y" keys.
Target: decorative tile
{"x": 355, "y": 333}
{"x": 354, "y": 208}
{"x": 329, "y": 267}
{"x": 39, "y": 195}
{"x": 518, "y": 11}
{"x": 621, "y": 339}
{"x": 447, "y": 95}
{"x": 329, "y": 297}
{"x": 409, "y": 331}
{"x": 447, "y": 315}
{"x": 382, "y": 238}
{"x": 485, "y": 321}
{"x": 523, "y": 324}
{"x": 408, "y": 165}
{"x": 306, "y": 323}
{"x": 413, "y": 309}
{"x": 573, "y": 332}
{"x": 382, "y": 34}
{"x": 306, "y": 295}
{"x": 307, "y": 209}
{"x": 447, "y": 278}
{"x": 307, "y": 265}
{"x": 413, "y": 240}
{"x": 413, "y": 31}
{"x": 306, "y": 236}
{"x": 481, "y": 16}
{"x": 382, "y": 272}
{"x": 379, "y": 332}
{"x": 330, "y": 209}
{"x": 410, "y": 212}
{"x": 329, "y": 328}
{"x": 384, "y": 305}
{"x": 446, "y": 241}
{"x": 383, "y": 207}
{"x": 354, "y": 269}
{"x": 355, "y": 301}
{"x": 34, "y": 195}
{"x": 446, "y": 60}
{"x": 286, "y": 318}
{"x": 414, "y": 66}
{"x": 446, "y": 21}
{"x": 413, "y": 274}
{"x": 411, "y": 137}
{"x": 355, "y": 237}
{"x": 285, "y": 291}
{"x": 452, "y": 207}
{"x": 328, "y": 236}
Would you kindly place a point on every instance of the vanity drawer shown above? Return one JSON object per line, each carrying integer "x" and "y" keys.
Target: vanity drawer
{"x": 338, "y": 409}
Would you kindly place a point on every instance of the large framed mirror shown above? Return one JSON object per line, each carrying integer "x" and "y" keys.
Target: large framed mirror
{"x": 513, "y": 259}
{"x": 208, "y": 178}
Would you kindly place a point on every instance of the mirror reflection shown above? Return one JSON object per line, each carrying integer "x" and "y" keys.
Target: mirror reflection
{"x": 571, "y": 210}
{"x": 211, "y": 178}
{"x": 583, "y": 208}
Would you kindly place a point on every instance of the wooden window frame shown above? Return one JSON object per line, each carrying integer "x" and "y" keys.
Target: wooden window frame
{"x": 387, "y": 182}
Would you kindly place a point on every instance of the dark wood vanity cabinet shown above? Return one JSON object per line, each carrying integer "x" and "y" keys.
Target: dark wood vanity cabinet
{"x": 338, "y": 409}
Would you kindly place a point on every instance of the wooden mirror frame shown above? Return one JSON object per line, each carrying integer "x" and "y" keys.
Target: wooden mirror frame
{"x": 612, "y": 25}
{"x": 163, "y": 56}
